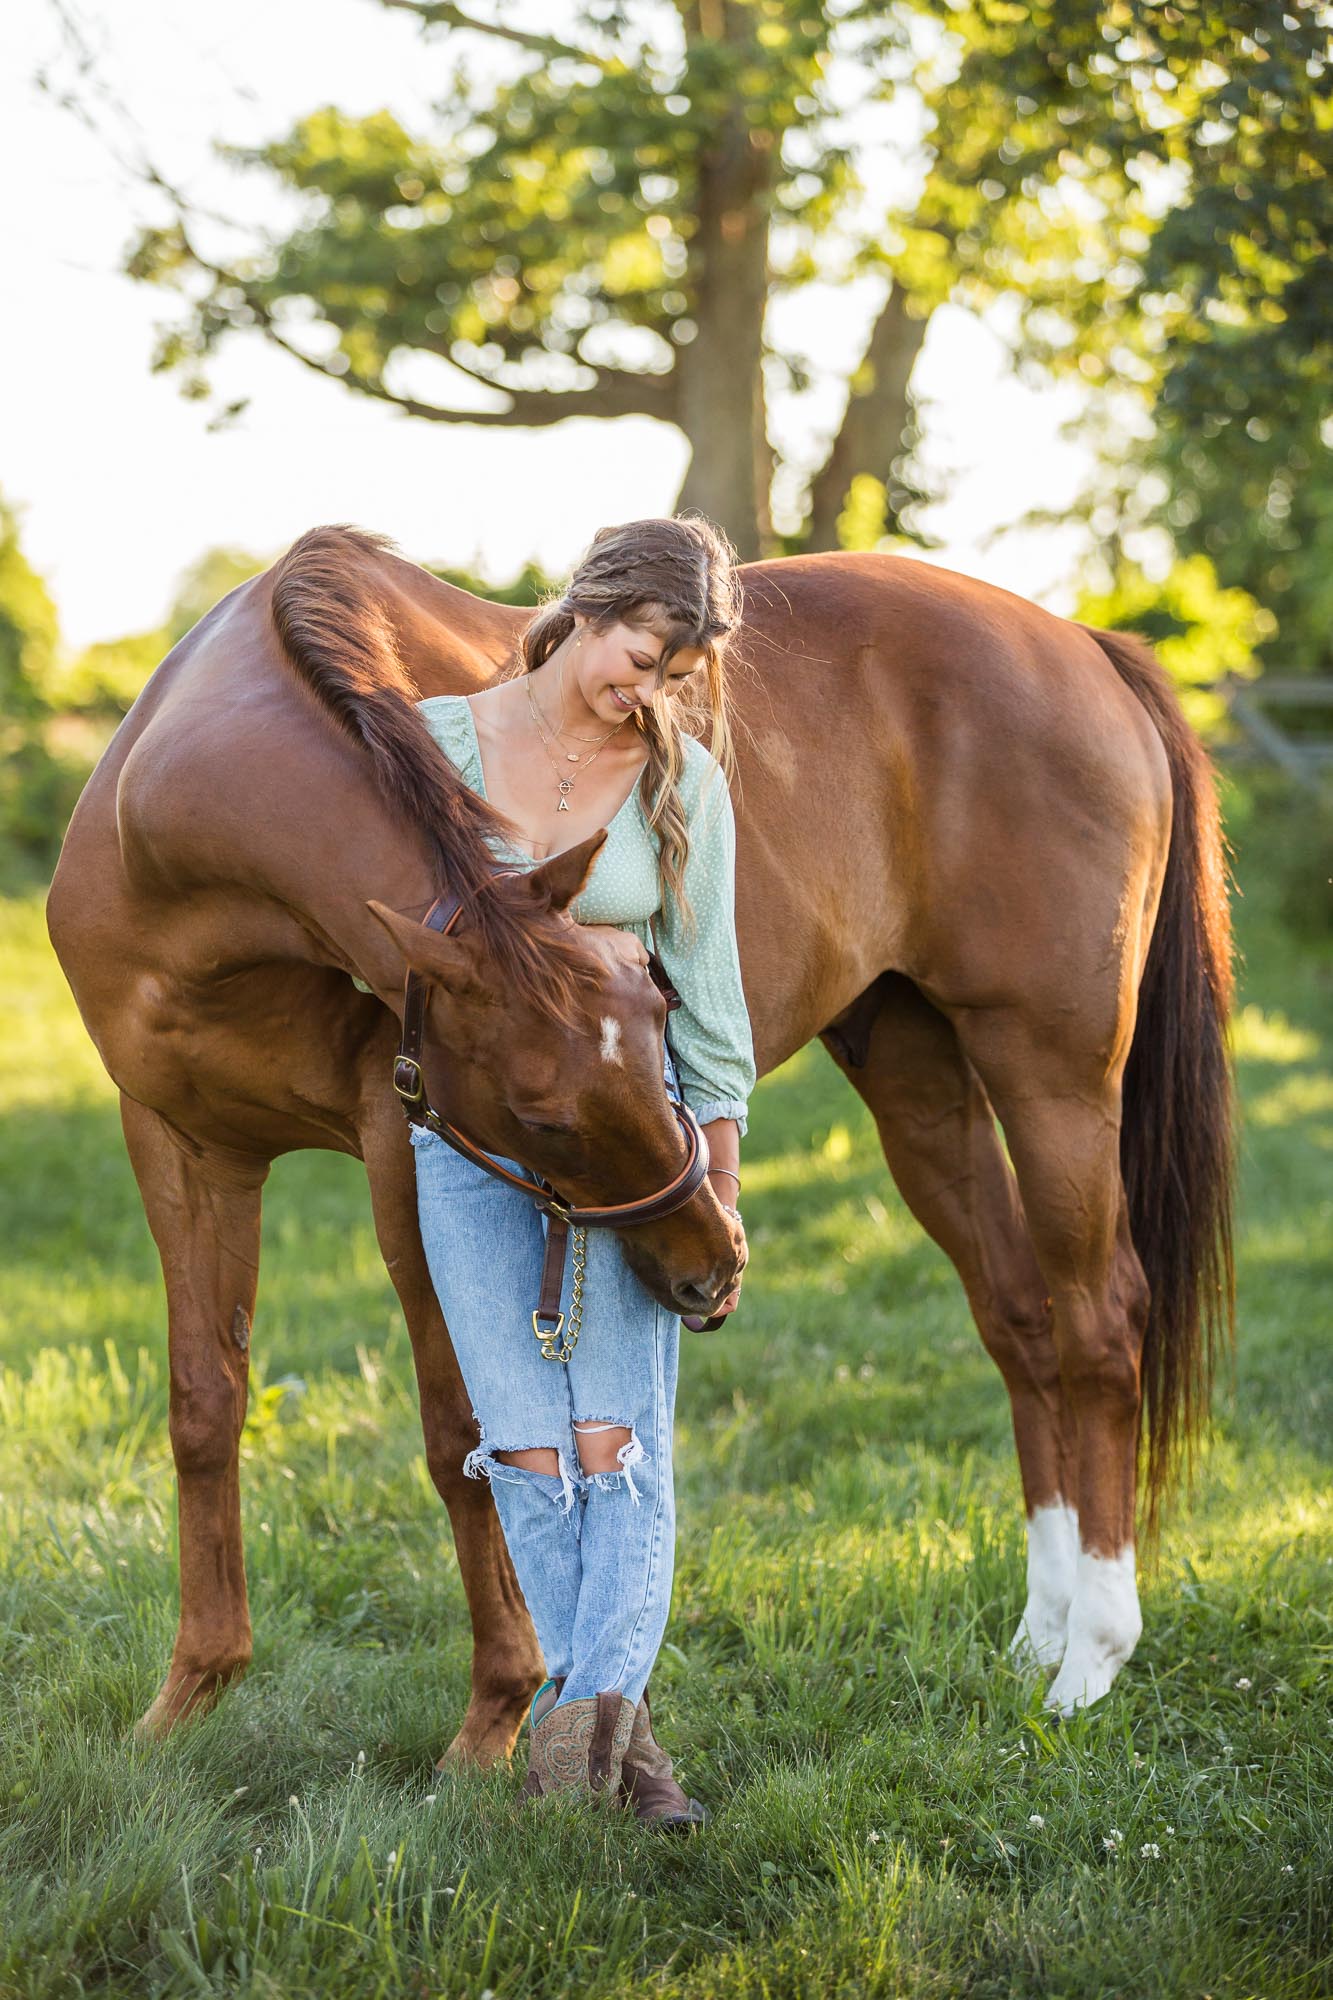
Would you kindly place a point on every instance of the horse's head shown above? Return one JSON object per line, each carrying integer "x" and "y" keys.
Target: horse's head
{"x": 566, "y": 1076}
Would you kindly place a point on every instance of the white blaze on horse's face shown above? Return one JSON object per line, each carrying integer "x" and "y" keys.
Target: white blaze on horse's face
{"x": 610, "y": 1043}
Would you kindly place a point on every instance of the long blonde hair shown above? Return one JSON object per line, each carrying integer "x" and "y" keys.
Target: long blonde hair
{"x": 674, "y": 574}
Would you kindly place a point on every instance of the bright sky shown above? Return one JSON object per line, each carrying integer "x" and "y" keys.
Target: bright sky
{"x": 122, "y": 485}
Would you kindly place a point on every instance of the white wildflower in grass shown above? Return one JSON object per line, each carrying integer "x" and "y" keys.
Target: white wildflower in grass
{"x": 393, "y": 1857}
{"x": 1288, "y": 1869}
{"x": 1150, "y": 1851}
{"x": 293, "y": 1800}
{"x": 430, "y": 1799}
{"x": 1111, "y": 1841}
{"x": 1035, "y": 1819}
{"x": 360, "y": 1760}
{"x": 240, "y": 1791}
{"x": 873, "y": 1836}
{"x": 1243, "y": 1683}
{"x": 1168, "y": 1829}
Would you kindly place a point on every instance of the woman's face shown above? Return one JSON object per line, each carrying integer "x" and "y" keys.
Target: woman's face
{"x": 618, "y": 671}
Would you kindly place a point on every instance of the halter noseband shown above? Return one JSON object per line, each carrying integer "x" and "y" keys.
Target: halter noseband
{"x": 410, "y": 1083}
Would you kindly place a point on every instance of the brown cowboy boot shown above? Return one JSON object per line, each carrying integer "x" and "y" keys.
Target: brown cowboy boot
{"x": 580, "y": 1746}
{"x": 542, "y": 1703}
{"x": 646, "y": 1780}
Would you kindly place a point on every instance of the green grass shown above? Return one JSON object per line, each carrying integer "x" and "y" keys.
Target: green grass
{"x": 893, "y": 1813}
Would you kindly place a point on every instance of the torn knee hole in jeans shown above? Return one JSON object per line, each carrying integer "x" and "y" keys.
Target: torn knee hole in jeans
{"x": 629, "y": 1454}
{"x": 484, "y": 1463}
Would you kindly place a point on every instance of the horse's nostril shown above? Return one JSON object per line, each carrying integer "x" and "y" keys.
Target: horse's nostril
{"x": 692, "y": 1299}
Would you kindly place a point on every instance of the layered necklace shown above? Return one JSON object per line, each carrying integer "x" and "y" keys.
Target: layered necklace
{"x": 564, "y": 779}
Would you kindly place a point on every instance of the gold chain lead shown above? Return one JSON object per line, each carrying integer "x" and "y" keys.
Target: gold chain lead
{"x": 578, "y": 1250}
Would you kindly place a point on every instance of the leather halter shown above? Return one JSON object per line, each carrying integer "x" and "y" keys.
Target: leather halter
{"x": 410, "y": 1083}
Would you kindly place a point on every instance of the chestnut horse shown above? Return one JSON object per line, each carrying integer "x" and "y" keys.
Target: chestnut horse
{"x": 978, "y": 855}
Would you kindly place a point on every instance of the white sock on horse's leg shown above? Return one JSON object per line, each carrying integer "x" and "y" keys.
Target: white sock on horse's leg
{"x": 1052, "y": 1573}
{"x": 1104, "y": 1627}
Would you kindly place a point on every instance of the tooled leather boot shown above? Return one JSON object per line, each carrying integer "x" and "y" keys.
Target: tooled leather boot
{"x": 647, "y": 1783}
{"x": 542, "y": 1703}
{"x": 579, "y": 1746}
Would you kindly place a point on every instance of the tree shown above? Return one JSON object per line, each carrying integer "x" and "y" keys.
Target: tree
{"x": 603, "y": 233}
{"x": 600, "y": 237}
{"x": 1150, "y": 184}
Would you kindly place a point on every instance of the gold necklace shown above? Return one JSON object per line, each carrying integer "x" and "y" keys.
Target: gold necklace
{"x": 563, "y": 780}
{"x": 560, "y": 730}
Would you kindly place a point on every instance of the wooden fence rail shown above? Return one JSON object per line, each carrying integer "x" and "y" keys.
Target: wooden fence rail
{"x": 1305, "y": 757}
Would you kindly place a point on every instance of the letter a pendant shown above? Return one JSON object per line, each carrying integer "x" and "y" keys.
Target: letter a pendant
{"x": 566, "y": 785}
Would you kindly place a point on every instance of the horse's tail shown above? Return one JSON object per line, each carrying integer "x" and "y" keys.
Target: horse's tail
{"x": 1176, "y": 1144}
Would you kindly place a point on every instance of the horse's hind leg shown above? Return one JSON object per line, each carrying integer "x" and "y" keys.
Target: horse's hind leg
{"x": 1060, "y": 1109}
{"x": 506, "y": 1659}
{"x": 940, "y": 1142}
{"x": 203, "y": 1207}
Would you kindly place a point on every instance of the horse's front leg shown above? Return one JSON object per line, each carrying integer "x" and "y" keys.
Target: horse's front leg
{"x": 203, "y": 1207}
{"x": 506, "y": 1659}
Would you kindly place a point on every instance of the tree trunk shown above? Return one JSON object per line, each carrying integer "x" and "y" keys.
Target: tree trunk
{"x": 719, "y": 381}
{"x": 879, "y": 410}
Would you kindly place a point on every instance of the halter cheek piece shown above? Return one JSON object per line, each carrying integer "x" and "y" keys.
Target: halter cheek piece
{"x": 410, "y": 1084}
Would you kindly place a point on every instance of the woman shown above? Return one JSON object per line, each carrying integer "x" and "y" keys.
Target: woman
{"x": 593, "y": 729}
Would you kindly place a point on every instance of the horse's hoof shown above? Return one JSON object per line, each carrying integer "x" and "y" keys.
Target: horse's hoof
{"x": 1038, "y": 1646}
{"x": 184, "y": 1698}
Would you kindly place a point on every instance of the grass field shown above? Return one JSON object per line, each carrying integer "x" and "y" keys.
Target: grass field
{"x": 893, "y": 1815}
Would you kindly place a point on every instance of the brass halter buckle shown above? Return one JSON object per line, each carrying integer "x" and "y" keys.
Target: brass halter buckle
{"x": 408, "y": 1079}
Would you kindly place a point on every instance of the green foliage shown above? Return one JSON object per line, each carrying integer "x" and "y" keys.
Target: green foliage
{"x": 1148, "y": 186}
{"x": 1257, "y": 497}
{"x": 529, "y": 585}
{"x": 1149, "y": 183}
{"x": 57, "y": 714}
{"x": 28, "y": 629}
{"x": 38, "y": 784}
{"x": 205, "y": 584}
{"x": 562, "y": 202}
{"x": 106, "y": 678}
{"x": 1201, "y": 633}
{"x": 1296, "y": 828}
{"x": 894, "y": 1816}
{"x": 864, "y": 521}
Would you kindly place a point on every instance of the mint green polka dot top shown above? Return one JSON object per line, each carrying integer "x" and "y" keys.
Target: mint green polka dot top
{"x": 710, "y": 1030}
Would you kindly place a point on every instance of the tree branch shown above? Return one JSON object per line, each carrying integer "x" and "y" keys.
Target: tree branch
{"x": 440, "y": 14}
{"x": 614, "y": 393}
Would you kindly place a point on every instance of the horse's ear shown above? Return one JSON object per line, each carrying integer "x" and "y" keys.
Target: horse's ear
{"x": 555, "y": 883}
{"x": 444, "y": 960}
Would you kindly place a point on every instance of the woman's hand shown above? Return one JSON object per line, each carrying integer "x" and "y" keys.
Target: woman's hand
{"x": 723, "y": 1187}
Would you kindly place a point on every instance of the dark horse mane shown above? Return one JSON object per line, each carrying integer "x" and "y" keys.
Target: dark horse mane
{"x": 333, "y": 617}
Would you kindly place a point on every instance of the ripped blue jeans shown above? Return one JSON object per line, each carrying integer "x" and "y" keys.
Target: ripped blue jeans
{"x": 593, "y": 1552}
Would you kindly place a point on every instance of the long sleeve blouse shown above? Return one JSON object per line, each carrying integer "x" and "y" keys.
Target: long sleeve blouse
{"x": 710, "y": 1030}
